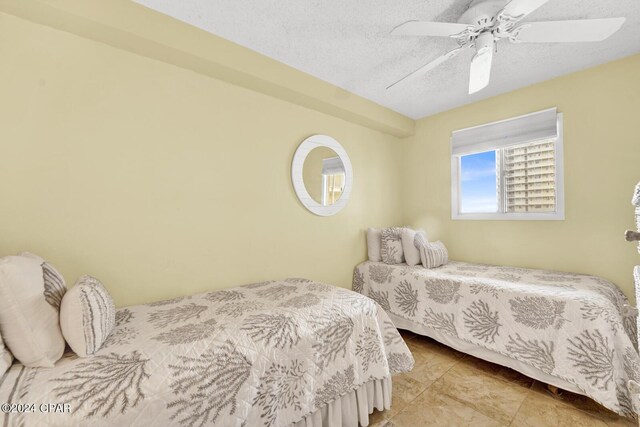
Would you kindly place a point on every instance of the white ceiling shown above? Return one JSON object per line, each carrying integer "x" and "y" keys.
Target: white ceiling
{"x": 347, "y": 43}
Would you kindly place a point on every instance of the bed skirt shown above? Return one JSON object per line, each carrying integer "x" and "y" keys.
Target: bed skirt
{"x": 352, "y": 409}
{"x": 485, "y": 354}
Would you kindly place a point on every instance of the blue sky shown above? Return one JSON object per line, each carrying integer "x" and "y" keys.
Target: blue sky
{"x": 478, "y": 183}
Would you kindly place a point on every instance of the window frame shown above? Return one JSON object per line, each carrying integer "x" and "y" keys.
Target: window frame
{"x": 558, "y": 215}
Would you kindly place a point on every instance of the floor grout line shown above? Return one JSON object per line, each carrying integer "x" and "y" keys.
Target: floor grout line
{"x": 529, "y": 391}
{"x": 411, "y": 402}
{"x": 491, "y": 375}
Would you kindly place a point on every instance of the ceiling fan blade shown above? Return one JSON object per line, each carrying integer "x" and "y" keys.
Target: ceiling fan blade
{"x": 422, "y": 28}
{"x": 431, "y": 65}
{"x": 587, "y": 30}
{"x": 518, "y": 9}
{"x": 480, "y": 70}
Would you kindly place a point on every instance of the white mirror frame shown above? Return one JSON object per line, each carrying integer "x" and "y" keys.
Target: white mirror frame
{"x": 297, "y": 165}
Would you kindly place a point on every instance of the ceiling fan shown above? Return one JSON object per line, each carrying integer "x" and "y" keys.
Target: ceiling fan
{"x": 488, "y": 21}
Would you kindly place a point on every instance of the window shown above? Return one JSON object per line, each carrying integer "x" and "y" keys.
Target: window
{"x": 510, "y": 169}
{"x": 332, "y": 180}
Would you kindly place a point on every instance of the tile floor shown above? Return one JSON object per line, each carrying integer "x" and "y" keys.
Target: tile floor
{"x": 449, "y": 388}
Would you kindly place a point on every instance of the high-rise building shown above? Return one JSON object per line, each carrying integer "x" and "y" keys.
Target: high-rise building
{"x": 529, "y": 177}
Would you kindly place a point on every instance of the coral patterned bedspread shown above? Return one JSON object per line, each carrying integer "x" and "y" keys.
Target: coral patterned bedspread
{"x": 575, "y": 327}
{"x": 265, "y": 354}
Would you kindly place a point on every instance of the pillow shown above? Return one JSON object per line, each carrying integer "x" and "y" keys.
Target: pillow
{"x": 30, "y": 294}
{"x": 373, "y": 244}
{"x": 87, "y": 316}
{"x": 432, "y": 255}
{"x": 55, "y": 286}
{"x": 5, "y": 358}
{"x": 409, "y": 248}
{"x": 391, "y": 245}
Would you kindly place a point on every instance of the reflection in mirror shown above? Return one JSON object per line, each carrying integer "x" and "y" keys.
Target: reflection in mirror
{"x": 324, "y": 175}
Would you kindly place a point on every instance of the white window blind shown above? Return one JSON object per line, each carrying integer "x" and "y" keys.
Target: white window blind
{"x": 332, "y": 166}
{"x": 517, "y": 130}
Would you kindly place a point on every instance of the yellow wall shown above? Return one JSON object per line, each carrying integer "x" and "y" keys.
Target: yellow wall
{"x": 161, "y": 181}
{"x": 601, "y": 109}
{"x": 134, "y": 28}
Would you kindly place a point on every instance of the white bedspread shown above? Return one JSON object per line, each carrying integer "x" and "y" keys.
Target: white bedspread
{"x": 571, "y": 326}
{"x": 266, "y": 354}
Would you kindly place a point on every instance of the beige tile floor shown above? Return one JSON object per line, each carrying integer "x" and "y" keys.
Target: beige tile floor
{"x": 449, "y": 388}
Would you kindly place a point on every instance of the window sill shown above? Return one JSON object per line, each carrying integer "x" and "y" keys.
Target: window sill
{"x": 553, "y": 216}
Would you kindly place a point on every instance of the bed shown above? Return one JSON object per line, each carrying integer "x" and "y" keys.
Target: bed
{"x": 280, "y": 353}
{"x": 572, "y": 331}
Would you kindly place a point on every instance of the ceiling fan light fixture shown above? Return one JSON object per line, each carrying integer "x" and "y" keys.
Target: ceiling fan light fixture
{"x": 480, "y": 69}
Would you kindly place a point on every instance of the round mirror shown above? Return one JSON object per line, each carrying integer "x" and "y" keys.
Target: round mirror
{"x": 321, "y": 174}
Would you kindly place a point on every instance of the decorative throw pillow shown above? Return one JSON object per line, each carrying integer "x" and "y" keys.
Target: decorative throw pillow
{"x": 87, "y": 316}
{"x": 409, "y": 248}
{"x": 55, "y": 286}
{"x": 5, "y": 358}
{"x": 30, "y": 294}
{"x": 432, "y": 255}
{"x": 391, "y": 245}
{"x": 373, "y": 244}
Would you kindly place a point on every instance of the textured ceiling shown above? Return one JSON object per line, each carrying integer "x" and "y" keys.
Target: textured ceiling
{"x": 347, "y": 43}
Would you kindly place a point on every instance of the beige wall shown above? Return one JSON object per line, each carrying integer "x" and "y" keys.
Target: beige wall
{"x": 601, "y": 109}
{"x": 134, "y": 28}
{"x": 164, "y": 182}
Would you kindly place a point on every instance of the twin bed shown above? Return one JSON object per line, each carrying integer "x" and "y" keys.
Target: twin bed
{"x": 572, "y": 331}
{"x": 280, "y": 353}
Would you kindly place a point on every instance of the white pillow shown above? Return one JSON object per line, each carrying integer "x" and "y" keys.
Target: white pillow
{"x": 391, "y": 245}
{"x": 373, "y": 244}
{"x": 409, "y": 247}
{"x": 30, "y": 295}
{"x": 55, "y": 286}
{"x": 87, "y": 316}
{"x": 432, "y": 255}
{"x": 6, "y": 359}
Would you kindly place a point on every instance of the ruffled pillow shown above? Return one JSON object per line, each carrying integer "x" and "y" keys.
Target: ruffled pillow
{"x": 432, "y": 255}
{"x": 87, "y": 316}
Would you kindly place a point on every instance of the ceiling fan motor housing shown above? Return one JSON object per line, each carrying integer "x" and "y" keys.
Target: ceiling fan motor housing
{"x": 484, "y": 41}
{"x": 481, "y": 13}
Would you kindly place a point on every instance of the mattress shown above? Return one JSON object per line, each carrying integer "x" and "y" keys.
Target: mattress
{"x": 278, "y": 353}
{"x": 571, "y": 330}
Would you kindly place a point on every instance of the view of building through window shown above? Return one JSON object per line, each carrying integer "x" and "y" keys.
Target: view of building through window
{"x": 529, "y": 177}
{"x": 515, "y": 179}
